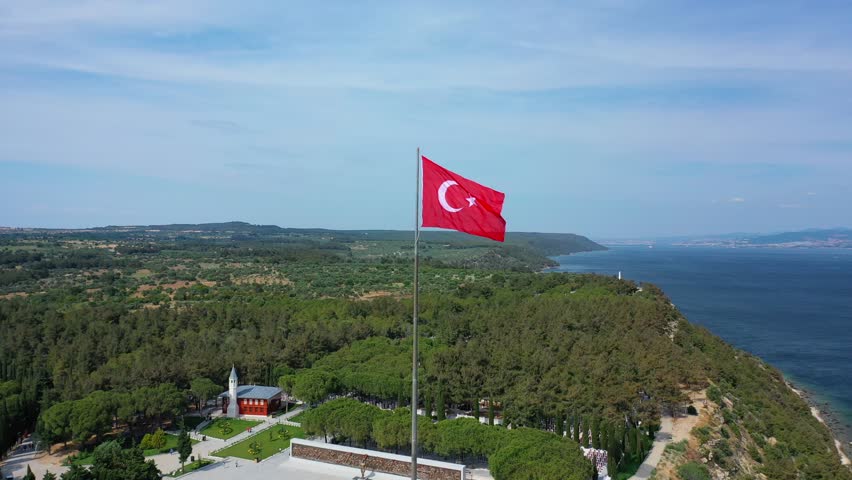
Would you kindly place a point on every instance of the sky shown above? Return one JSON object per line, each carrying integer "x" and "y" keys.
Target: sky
{"x": 605, "y": 118}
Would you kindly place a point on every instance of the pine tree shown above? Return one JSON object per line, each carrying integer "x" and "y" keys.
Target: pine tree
{"x": 76, "y": 472}
{"x": 30, "y": 475}
{"x": 49, "y": 476}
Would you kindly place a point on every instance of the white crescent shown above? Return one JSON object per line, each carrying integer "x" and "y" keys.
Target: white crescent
{"x": 442, "y": 196}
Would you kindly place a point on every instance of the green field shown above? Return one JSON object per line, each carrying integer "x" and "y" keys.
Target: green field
{"x": 237, "y": 427}
{"x": 191, "y": 467}
{"x": 87, "y": 458}
{"x": 171, "y": 443}
{"x": 268, "y": 446}
{"x": 297, "y": 418}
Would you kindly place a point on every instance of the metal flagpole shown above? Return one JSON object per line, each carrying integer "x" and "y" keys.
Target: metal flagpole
{"x": 414, "y": 326}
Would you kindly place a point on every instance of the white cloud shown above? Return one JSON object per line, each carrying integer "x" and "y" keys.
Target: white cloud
{"x": 736, "y": 200}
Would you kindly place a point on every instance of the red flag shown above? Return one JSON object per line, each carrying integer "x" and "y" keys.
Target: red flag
{"x": 454, "y": 202}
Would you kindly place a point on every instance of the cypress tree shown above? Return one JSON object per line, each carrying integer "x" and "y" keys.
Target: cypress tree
{"x": 440, "y": 403}
{"x": 613, "y": 454}
{"x": 640, "y": 447}
{"x": 184, "y": 446}
{"x": 476, "y": 409}
{"x": 595, "y": 440}
{"x": 490, "y": 410}
{"x": 559, "y": 428}
{"x": 585, "y": 432}
{"x": 427, "y": 404}
{"x": 30, "y": 475}
{"x": 575, "y": 428}
{"x": 631, "y": 449}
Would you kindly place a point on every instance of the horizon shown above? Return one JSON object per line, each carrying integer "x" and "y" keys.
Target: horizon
{"x": 601, "y": 240}
{"x": 605, "y": 119}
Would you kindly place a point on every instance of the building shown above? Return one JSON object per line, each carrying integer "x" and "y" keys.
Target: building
{"x": 249, "y": 399}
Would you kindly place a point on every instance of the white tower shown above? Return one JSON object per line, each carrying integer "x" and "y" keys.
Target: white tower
{"x": 233, "y": 409}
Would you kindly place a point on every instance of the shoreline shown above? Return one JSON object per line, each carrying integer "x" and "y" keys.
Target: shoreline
{"x": 840, "y": 433}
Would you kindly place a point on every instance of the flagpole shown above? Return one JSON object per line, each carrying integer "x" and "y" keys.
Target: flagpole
{"x": 414, "y": 325}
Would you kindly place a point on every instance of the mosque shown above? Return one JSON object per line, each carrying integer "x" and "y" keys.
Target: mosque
{"x": 254, "y": 400}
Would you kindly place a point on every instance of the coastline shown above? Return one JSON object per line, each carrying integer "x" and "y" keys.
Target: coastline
{"x": 839, "y": 432}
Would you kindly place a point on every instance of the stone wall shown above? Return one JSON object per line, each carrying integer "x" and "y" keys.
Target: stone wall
{"x": 373, "y": 463}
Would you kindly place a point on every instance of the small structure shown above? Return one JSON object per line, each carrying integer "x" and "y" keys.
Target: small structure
{"x": 249, "y": 399}
{"x": 374, "y": 461}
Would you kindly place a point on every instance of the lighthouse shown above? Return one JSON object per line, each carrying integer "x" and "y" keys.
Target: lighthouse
{"x": 233, "y": 409}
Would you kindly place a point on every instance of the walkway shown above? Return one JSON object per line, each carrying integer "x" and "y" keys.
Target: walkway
{"x": 673, "y": 430}
{"x": 203, "y": 449}
{"x": 661, "y": 439}
{"x": 281, "y": 466}
{"x": 40, "y": 462}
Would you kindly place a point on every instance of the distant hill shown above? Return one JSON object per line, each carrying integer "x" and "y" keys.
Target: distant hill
{"x": 547, "y": 244}
{"x": 811, "y": 238}
{"x": 822, "y": 237}
{"x": 521, "y": 251}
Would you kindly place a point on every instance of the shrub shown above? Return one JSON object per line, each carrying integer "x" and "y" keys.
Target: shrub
{"x": 158, "y": 439}
{"x": 714, "y": 394}
{"x": 145, "y": 444}
{"x": 693, "y": 471}
{"x": 678, "y": 447}
{"x": 702, "y": 434}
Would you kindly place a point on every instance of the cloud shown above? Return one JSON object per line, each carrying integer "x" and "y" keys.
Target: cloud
{"x": 602, "y": 93}
{"x": 789, "y": 205}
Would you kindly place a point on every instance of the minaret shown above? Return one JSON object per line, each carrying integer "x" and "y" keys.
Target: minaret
{"x": 233, "y": 408}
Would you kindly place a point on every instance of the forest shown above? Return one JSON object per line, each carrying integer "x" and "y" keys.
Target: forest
{"x": 107, "y": 315}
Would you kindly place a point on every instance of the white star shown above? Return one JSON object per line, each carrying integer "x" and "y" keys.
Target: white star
{"x": 471, "y": 201}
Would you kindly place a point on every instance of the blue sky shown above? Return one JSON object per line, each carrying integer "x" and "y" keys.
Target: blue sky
{"x": 604, "y": 118}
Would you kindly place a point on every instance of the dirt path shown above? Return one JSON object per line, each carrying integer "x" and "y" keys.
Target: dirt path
{"x": 673, "y": 430}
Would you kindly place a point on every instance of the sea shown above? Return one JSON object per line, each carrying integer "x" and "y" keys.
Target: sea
{"x": 791, "y": 307}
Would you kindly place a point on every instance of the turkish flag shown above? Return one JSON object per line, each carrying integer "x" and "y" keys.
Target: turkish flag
{"x": 454, "y": 202}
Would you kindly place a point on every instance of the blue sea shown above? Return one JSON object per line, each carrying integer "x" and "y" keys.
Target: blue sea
{"x": 791, "y": 307}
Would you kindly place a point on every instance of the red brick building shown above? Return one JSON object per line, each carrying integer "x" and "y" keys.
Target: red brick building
{"x": 250, "y": 399}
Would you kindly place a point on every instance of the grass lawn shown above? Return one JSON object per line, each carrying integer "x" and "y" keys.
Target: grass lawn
{"x": 171, "y": 442}
{"x": 86, "y": 457}
{"x": 189, "y": 467}
{"x": 237, "y": 427}
{"x": 297, "y": 418}
{"x": 268, "y": 447}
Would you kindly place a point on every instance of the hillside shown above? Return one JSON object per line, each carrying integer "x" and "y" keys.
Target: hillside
{"x": 90, "y": 319}
{"x": 521, "y": 251}
{"x": 837, "y": 237}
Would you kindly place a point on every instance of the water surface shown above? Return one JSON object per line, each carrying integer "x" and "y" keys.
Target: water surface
{"x": 791, "y": 307}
